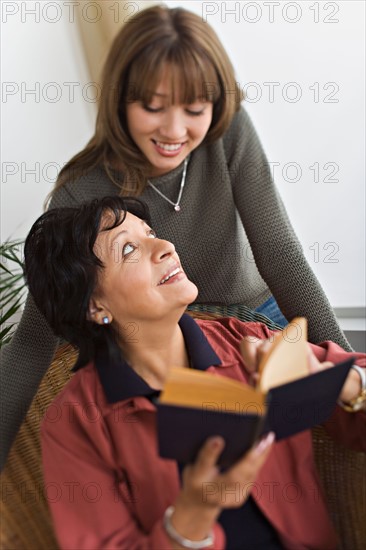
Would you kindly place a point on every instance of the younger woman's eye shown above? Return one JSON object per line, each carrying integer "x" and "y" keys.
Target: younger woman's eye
{"x": 152, "y": 109}
{"x": 195, "y": 113}
{"x": 128, "y": 249}
{"x": 151, "y": 234}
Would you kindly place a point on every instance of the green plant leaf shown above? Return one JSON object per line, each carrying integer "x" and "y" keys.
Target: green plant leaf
{"x": 11, "y": 311}
{"x": 5, "y": 331}
{"x": 9, "y": 297}
{"x": 12, "y": 286}
{"x": 10, "y": 282}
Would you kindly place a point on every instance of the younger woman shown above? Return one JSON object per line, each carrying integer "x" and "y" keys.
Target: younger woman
{"x": 171, "y": 128}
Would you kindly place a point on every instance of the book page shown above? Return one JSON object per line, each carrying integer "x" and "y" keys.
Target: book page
{"x": 194, "y": 388}
{"x": 287, "y": 360}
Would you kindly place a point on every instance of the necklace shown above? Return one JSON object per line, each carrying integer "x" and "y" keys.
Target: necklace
{"x": 182, "y": 183}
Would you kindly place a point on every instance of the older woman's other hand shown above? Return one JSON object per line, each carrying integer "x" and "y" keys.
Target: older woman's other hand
{"x": 351, "y": 387}
{"x": 253, "y": 349}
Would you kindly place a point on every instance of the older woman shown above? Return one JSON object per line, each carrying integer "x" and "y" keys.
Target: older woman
{"x": 109, "y": 285}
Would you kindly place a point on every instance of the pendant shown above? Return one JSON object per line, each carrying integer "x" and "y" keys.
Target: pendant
{"x": 177, "y": 207}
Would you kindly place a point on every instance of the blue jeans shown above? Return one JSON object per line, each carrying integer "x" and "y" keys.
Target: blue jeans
{"x": 270, "y": 309}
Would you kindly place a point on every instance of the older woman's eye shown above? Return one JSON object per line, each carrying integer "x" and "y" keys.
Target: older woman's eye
{"x": 151, "y": 234}
{"x": 128, "y": 249}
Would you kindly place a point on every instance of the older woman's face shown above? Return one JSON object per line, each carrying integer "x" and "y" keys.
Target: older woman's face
{"x": 167, "y": 133}
{"x": 142, "y": 278}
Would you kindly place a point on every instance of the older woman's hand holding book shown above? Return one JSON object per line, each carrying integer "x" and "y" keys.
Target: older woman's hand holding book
{"x": 206, "y": 491}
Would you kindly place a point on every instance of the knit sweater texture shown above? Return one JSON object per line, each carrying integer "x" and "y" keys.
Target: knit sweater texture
{"x": 234, "y": 239}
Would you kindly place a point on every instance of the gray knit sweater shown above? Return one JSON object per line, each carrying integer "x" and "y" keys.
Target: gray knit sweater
{"x": 234, "y": 239}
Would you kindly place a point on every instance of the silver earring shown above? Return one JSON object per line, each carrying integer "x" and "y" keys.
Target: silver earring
{"x": 105, "y": 320}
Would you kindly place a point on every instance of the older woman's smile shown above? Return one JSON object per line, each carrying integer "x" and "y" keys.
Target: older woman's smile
{"x": 172, "y": 275}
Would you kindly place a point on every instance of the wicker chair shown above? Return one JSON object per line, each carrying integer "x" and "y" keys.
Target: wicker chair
{"x": 26, "y": 522}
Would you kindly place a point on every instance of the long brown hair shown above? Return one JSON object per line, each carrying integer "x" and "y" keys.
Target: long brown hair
{"x": 150, "y": 41}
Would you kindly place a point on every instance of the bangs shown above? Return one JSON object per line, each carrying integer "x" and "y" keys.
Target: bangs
{"x": 191, "y": 76}
{"x": 115, "y": 210}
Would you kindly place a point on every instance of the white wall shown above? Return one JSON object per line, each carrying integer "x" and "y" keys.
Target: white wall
{"x": 41, "y": 130}
{"x": 324, "y": 128}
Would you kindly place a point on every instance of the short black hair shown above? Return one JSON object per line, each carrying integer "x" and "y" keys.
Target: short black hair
{"x": 61, "y": 269}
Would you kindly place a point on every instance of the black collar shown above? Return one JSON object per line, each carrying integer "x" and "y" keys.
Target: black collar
{"x": 121, "y": 382}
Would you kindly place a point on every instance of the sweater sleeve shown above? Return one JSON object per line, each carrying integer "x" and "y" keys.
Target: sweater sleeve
{"x": 25, "y": 359}
{"x": 277, "y": 251}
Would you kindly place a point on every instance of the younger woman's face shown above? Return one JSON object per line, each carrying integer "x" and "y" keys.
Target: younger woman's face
{"x": 142, "y": 278}
{"x": 167, "y": 133}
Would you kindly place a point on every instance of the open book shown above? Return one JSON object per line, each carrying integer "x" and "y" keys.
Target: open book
{"x": 195, "y": 405}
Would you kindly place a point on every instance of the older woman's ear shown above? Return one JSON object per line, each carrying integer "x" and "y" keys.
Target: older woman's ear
{"x": 98, "y": 314}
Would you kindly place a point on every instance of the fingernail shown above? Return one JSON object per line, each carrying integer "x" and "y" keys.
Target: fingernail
{"x": 265, "y": 443}
{"x": 216, "y": 442}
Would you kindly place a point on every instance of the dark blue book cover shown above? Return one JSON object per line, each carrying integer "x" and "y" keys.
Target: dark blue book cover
{"x": 291, "y": 408}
